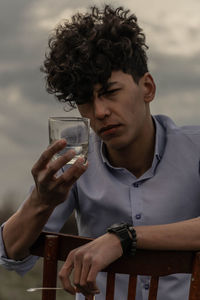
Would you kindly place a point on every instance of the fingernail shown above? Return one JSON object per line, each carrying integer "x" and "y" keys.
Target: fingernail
{"x": 62, "y": 141}
{"x": 80, "y": 161}
{"x": 72, "y": 152}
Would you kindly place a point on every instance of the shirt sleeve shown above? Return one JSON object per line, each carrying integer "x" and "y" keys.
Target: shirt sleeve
{"x": 20, "y": 266}
{"x": 54, "y": 224}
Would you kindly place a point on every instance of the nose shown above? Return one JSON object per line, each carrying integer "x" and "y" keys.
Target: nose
{"x": 101, "y": 108}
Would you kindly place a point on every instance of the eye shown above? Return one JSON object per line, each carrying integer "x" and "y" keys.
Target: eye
{"x": 109, "y": 92}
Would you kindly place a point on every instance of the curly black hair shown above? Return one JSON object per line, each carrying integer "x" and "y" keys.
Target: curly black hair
{"x": 86, "y": 50}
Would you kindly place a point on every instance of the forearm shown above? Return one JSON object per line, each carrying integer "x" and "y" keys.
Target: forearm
{"x": 23, "y": 228}
{"x": 183, "y": 235}
{"x": 176, "y": 236}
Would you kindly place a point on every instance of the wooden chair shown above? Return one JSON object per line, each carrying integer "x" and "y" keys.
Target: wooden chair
{"x": 54, "y": 247}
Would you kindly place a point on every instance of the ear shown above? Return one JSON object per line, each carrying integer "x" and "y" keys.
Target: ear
{"x": 149, "y": 87}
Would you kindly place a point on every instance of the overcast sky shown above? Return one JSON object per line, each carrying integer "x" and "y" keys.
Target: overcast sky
{"x": 173, "y": 34}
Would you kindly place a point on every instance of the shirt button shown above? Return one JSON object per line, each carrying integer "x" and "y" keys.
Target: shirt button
{"x": 136, "y": 184}
{"x": 138, "y": 216}
{"x": 146, "y": 286}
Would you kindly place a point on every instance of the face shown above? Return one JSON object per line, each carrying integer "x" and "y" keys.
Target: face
{"x": 120, "y": 113}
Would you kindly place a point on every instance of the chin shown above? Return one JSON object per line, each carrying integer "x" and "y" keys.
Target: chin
{"x": 115, "y": 144}
{"x": 120, "y": 143}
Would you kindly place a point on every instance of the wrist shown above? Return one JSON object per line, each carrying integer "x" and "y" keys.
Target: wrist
{"x": 40, "y": 206}
{"x": 127, "y": 236}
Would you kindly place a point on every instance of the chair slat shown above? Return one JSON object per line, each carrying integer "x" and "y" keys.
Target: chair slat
{"x": 195, "y": 279}
{"x": 153, "y": 288}
{"x": 50, "y": 267}
{"x": 132, "y": 287}
{"x": 110, "y": 286}
{"x": 93, "y": 298}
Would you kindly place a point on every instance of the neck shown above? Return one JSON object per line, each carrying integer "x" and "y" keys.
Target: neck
{"x": 137, "y": 157}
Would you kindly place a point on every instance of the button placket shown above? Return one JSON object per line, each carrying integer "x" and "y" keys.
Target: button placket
{"x": 136, "y": 203}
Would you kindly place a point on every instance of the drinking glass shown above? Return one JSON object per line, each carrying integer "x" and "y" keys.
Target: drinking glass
{"x": 76, "y": 132}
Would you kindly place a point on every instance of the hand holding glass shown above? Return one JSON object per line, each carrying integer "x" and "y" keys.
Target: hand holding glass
{"x": 76, "y": 132}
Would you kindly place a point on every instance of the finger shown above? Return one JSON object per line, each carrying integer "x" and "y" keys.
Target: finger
{"x": 84, "y": 274}
{"x": 55, "y": 166}
{"x": 77, "y": 269}
{"x": 71, "y": 175}
{"x": 91, "y": 280}
{"x": 62, "y": 182}
{"x": 64, "y": 276}
{"x": 80, "y": 275}
{"x": 47, "y": 155}
{"x": 82, "y": 265}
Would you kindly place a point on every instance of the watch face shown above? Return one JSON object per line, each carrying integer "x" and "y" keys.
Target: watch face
{"x": 118, "y": 225}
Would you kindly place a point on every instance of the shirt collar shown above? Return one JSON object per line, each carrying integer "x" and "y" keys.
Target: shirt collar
{"x": 159, "y": 147}
{"x": 160, "y": 139}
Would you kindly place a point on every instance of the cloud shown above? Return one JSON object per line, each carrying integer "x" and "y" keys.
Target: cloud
{"x": 177, "y": 78}
{"x": 178, "y": 34}
{"x": 176, "y": 72}
{"x": 172, "y": 28}
{"x": 181, "y": 106}
{"x": 47, "y": 18}
{"x": 173, "y": 35}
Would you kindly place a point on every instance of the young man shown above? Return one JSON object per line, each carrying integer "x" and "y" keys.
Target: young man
{"x": 142, "y": 170}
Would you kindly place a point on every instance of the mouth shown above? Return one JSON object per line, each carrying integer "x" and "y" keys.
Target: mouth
{"x": 108, "y": 130}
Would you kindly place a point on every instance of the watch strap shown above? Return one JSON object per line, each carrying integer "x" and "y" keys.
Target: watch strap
{"x": 127, "y": 235}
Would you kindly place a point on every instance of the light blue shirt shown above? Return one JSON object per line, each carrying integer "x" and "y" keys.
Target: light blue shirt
{"x": 168, "y": 192}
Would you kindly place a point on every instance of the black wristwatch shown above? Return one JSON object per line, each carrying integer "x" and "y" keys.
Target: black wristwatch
{"x": 127, "y": 236}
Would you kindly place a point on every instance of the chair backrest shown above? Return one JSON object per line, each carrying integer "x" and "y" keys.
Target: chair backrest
{"x": 54, "y": 247}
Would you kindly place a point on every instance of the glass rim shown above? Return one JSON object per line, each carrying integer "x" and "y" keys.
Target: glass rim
{"x": 68, "y": 119}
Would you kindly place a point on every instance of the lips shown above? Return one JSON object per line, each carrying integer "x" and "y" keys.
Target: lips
{"x": 109, "y": 129}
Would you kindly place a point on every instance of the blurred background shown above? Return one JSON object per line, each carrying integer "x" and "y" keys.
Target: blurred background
{"x": 173, "y": 34}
